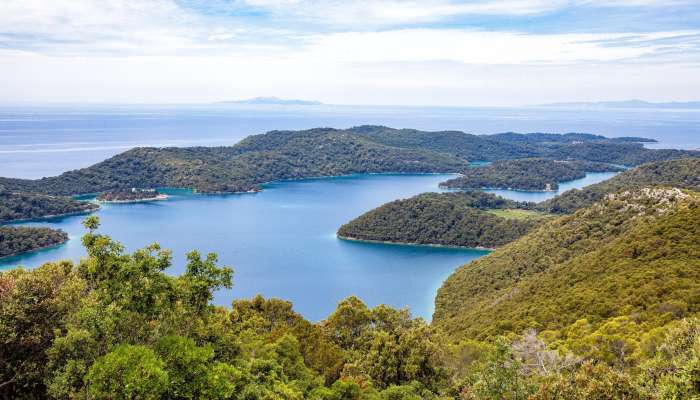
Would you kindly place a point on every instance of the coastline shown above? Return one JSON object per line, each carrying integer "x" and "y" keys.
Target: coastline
{"x": 46, "y": 217}
{"x": 3, "y": 258}
{"x": 444, "y": 246}
{"x": 157, "y": 198}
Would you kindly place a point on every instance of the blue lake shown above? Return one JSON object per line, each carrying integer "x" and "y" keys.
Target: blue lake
{"x": 281, "y": 242}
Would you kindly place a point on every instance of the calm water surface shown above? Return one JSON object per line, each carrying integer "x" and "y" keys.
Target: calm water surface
{"x": 281, "y": 242}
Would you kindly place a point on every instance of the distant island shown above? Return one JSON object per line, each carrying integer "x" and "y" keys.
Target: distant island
{"x": 133, "y": 195}
{"x": 627, "y": 104}
{"x": 274, "y": 101}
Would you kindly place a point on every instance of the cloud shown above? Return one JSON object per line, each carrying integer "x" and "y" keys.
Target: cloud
{"x": 353, "y": 51}
{"x": 481, "y": 47}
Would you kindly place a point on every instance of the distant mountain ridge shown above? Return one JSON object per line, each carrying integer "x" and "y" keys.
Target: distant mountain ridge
{"x": 274, "y": 100}
{"x": 627, "y": 104}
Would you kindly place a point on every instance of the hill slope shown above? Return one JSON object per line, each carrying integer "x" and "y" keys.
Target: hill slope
{"x": 526, "y": 174}
{"x": 450, "y": 219}
{"x": 18, "y": 206}
{"x": 16, "y": 240}
{"x": 261, "y": 158}
{"x": 635, "y": 254}
{"x": 681, "y": 173}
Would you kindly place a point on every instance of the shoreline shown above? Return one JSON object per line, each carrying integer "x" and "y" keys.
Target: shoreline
{"x": 444, "y": 246}
{"x": 160, "y": 197}
{"x": 4, "y": 258}
{"x": 47, "y": 217}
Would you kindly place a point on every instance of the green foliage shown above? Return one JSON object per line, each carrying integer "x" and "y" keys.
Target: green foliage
{"x": 597, "y": 281}
{"x": 20, "y": 206}
{"x": 682, "y": 173}
{"x": 20, "y": 239}
{"x": 127, "y": 372}
{"x": 525, "y": 174}
{"x": 451, "y": 219}
{"x": 116, "y": 326}
{"x": 33, "y": 307}
{"x": 463, "y": 145}
{"x": 499, "y": 377}
{"x": 589, "y": 382}
{"x": 674, "y": 371}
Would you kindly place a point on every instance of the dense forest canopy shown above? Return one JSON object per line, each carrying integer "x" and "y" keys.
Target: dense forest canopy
{"x": 20, "y": 206}
{"x": 117, "y": 326}
{"x": 451, "y": 219}
{"x": 682, "y": 173}
{"x": 526, "y": 174}
{"x": 279, "y": 155}
{"x": 629, "y": 262}
{"x": 20, "y": 239}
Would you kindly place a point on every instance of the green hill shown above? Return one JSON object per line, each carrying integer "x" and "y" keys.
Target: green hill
{"x": 470, "y": 147}
{"x": 682, "y": 173}
{"x": 280, "y": 155}
{"x": 634, "y": 255}
{"x": 258, "y": 159}
{"x": 570, "y": 146}
{"x": 16, "y": 240}
{"x": 466, "y": 219}
{"x": 18, "y": 206}
{"x": 526, "y": 174}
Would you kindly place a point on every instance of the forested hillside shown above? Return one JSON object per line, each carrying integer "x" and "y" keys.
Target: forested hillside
{"x": 467, "y": 146}
{"x": 575, "y": 146}
{"x": 19, "y": 206}
{"x": 624, "y": 266}
{"x": 467, "y": 219}
{"x": 682, "y": 173}
{"x": 116, "y": 326}
{"x": 273, "y": 156}
{"x": 16, "y": 240}
{"x": 525, "y": 174}
{"x": 279, "y": 155}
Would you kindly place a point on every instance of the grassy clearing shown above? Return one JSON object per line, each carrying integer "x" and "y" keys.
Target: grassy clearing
{"x": 514, "y": 213}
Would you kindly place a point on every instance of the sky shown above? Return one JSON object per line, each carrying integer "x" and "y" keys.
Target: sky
{"x": 389, "y": 52}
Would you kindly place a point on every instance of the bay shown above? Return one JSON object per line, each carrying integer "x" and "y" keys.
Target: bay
{"x": 281, "y": 242}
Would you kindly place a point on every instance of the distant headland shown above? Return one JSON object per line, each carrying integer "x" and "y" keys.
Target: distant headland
{"x": 627, "y": 104}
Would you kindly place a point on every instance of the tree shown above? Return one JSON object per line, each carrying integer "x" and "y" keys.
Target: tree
{"x": 128, "y": 372}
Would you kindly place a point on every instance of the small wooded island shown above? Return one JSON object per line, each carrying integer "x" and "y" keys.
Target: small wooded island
{"x": 462, "y": 219}
{"x": 21, "y": 239}
{"x": 133, "y": 195}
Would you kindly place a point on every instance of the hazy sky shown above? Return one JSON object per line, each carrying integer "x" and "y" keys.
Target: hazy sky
{"x": 423, "y": 52}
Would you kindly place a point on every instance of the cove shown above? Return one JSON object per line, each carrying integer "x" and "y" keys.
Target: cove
{"x": 281, "y": 242}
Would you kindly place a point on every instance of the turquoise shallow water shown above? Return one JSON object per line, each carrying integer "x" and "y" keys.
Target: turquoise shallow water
{"x": 281, "y": 242}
